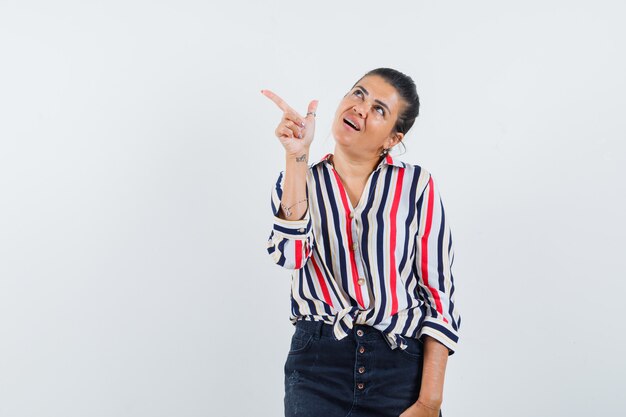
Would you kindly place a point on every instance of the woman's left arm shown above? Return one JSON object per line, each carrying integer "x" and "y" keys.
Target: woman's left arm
{"x": 439, "y": 332}
{"x": 433, "y": 374}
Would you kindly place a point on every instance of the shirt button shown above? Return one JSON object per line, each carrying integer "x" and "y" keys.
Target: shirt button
{"x": 360, "y": 385}
{"x": 361, "y": 349}
{"x": 351, "y": 215}
{"x": 301, "y": 230}
{"x": 359, "y": 332}
{"x": 362, "y": 369}
{"x": 361, "y": 281}
{"x": 354, "y": 246}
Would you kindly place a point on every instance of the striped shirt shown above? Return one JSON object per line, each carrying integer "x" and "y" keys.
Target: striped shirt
{"x": 384, "y": 263}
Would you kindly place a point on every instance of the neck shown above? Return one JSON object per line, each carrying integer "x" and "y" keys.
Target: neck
{"x": 354, "y": 166}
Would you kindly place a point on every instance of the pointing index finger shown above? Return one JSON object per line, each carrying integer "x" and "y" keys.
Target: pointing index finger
{"x": 279, "y": 101}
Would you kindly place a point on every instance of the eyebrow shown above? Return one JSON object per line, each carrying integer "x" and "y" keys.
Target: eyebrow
{"x": 376, "y": 100}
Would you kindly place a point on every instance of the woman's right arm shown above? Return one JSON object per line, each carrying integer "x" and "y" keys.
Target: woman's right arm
{"x": 291, "y": 240}
{"x": 294, "y": 202}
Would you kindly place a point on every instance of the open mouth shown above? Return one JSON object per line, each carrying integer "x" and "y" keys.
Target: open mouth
{"x": 351, "y": 124}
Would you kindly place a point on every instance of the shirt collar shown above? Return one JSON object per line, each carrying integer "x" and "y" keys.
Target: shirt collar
{"x": 387, "y": 160}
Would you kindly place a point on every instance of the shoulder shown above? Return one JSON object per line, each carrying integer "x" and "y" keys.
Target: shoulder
{"x": 414, "y": 173}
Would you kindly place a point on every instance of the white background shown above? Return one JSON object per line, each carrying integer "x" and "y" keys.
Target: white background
{"x": 136, "y": 161}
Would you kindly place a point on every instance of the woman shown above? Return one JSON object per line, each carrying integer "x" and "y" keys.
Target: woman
{"x": 365, "y": 234}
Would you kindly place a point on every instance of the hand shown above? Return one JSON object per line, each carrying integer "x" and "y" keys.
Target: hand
{"x": 294, "y": 131}
{"x": 419, "y": 409}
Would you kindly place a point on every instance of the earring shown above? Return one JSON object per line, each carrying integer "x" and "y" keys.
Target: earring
{"x": 384, "y": 152}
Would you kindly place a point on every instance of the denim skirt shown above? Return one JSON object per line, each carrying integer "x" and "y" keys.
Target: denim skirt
{"x": 358, "y": 376}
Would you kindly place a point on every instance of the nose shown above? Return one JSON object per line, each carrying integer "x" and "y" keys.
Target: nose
{"x": 360, "y": 109}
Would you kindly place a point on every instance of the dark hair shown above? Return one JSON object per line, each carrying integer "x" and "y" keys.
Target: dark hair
{"x": 407, "y": 90}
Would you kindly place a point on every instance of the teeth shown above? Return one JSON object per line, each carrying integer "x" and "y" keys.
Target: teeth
{"x": 350, "y": 123}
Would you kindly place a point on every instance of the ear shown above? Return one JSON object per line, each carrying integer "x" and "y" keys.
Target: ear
{"x": 394, "y": 139}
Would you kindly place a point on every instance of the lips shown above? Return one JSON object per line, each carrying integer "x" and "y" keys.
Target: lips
{"x": 353, "y": 123}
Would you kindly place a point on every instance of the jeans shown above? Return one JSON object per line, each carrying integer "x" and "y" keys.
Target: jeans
{"x": 358, "y": 376}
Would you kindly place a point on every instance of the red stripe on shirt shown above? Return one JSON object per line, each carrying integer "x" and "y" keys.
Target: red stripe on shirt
{"x": 392, "y": 243}
{"x": 298, "y": 249}
{"x": 346, "y": 207}
{"x": 429, "y": 221}
{"x": 322, "y": 281}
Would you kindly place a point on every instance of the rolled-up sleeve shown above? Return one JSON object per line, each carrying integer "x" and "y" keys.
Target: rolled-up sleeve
{"x": 291, "y": 241}
{"x": 433, "y": 262}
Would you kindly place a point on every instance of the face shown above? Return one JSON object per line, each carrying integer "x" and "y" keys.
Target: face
{"x": 366, "y": 116}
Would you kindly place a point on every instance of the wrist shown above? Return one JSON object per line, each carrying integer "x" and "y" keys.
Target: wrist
{"x": 430, "y": 401}
{"x": 302, "y": 156}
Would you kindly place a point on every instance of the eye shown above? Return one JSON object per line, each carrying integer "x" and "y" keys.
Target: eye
{"x": 380, "y": 110}
{"x": 358, "y": 93}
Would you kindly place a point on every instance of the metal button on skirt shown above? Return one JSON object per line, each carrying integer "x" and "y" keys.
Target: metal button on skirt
{"x": 358, "y": 376}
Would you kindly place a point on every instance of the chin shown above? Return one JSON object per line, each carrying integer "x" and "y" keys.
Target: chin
{"x": 341, "y": 136}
